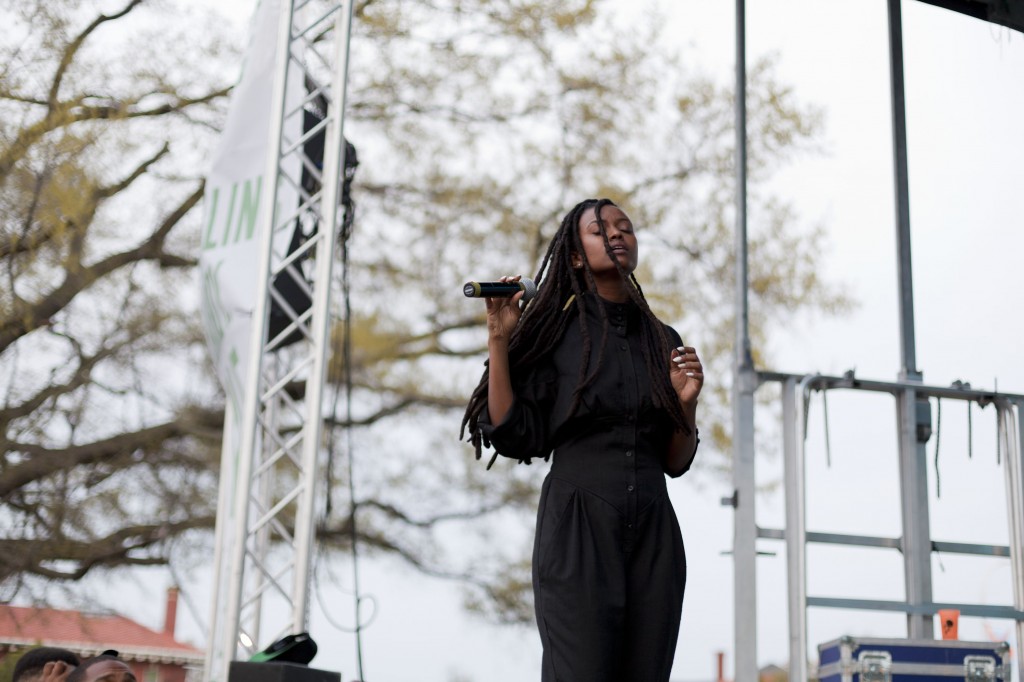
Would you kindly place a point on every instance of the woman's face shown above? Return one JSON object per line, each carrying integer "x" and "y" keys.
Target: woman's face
{"x": 620, "y": 236}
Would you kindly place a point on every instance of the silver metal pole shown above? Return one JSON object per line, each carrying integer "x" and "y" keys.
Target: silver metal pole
{"x": 914, "y": 508}
{"x": 334, "y": 162}
{"x": 216, "y": 647}
{"x": 908, "y": 353}
{"x": 794, "y": 417}
{"x": 914, "y": 415}
{"x": 261, "y": 499}
{"x": 744, "y": 385}
{"x": 743, "y": 358}
{"x": 1011, "y": 433}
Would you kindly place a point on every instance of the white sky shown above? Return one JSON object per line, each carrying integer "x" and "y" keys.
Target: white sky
{"x": 965, "y": 104}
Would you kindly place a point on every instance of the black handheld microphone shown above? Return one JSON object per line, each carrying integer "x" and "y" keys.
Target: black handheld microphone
{"x": 500, "y": 289}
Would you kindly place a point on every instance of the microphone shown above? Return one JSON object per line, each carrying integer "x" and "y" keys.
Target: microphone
{"x": 500, "y": 289}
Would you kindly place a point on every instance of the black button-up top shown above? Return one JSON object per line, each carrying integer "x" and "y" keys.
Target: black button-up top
{"x": 616, "y": 442}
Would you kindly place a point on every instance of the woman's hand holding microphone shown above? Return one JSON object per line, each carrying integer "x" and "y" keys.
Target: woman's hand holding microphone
{"x": 503, "y": 315}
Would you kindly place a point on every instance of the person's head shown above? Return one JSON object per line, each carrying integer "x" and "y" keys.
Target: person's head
{"x": 595, "y": 241}
{"x": 104, "y": 668}
{"x": 606, "y": 239}
{"x": 31, "y": 664}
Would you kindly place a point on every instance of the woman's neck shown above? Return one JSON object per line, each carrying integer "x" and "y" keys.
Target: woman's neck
{"x": 613, "y": 290}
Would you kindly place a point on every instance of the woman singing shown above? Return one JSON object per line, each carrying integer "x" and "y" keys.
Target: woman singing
{"x": 587, "y": 372}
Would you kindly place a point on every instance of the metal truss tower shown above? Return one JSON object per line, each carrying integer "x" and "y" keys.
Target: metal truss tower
{"x": 264, "y": 552}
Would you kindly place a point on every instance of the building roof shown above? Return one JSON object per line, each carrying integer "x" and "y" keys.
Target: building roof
{"x": 91, "y": 634}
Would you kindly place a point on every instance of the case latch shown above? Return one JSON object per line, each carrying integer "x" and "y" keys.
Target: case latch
{"x": 875, "y": 666}
{"x": 979, "y": 668}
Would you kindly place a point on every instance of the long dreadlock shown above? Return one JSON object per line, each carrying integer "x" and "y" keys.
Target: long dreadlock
{"x": 545, "y": 319}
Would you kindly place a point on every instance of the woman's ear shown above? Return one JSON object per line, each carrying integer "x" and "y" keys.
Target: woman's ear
{"x": 577, "y": 260}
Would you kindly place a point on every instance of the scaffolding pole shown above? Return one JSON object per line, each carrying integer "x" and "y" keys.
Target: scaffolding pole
{"x": 269, "y": 557}
{"x": 744, "y": 384}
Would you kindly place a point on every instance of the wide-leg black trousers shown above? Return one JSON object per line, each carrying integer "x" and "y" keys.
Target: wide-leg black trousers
{"x": 608, "y": 583}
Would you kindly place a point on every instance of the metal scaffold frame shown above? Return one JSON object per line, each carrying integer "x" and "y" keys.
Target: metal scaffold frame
{"x": 271, "y": 548}
{"x": 796, "y": 392}
{"x": 912, "y": 408}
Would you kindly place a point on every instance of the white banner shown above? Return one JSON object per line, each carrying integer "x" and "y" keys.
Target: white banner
{"x": 231, "y": 223}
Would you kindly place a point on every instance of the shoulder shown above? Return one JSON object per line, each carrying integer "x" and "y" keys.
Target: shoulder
{"x": 673, "y": 336}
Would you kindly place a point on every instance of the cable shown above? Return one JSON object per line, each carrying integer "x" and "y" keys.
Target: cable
{"x": 327, "y": 614}
{"x": 347, "y": 222}
{"x": 346, "y": 349}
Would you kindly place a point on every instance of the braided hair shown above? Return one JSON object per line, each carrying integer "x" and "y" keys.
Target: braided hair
{"x": 545, "y": 319}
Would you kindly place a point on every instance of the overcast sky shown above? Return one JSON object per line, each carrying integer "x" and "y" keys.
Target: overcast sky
{"x": 965, "y": 105}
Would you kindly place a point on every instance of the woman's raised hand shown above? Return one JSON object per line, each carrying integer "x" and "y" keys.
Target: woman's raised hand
{"x": 687, "y": 374}
{"x": 503, "y": 314}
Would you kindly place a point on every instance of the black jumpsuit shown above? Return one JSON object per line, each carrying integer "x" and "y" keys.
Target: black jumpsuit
{"x": 608, "y": 564}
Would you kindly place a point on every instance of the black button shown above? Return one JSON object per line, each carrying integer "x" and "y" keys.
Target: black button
{"x": 622, "y": 346}
{"x": 629, "y": 453}
{"x": 629, "y": 525}
{"x": 629, "y": 488}
{"x": 629, "y": 418}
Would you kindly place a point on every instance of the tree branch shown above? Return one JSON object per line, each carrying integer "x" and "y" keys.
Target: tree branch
{"x": 124, "y": 109}
{"x": 28, "y": 241}
{"x": 33, "y": 315}
{"x": 23, "y": 99}
{"x": 341, "y": 534}
{"x": 396, "y": 513}
{"x": 76, "y": 44}
{"x": 64, "y": 114}
{"x": 41, "y": 462}
{"x": 31, "y": 555}
{"x": 396, "y": 408}
{"x": 111, "y": 190}
{"x": 80, "y": 377}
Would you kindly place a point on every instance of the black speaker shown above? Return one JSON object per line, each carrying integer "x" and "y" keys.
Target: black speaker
{"x": 243, "y": 671}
